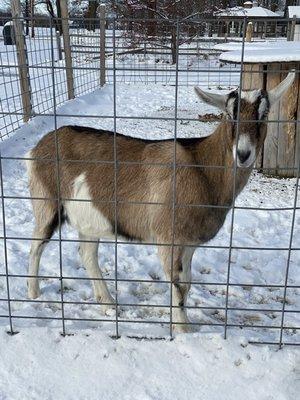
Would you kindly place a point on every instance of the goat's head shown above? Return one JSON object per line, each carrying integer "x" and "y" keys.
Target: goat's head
{"x": 248, "y": 119}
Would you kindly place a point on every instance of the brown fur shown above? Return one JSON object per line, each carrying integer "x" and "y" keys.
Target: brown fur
{"x": 144, "y": 175}
{"x": 138, "y": 183}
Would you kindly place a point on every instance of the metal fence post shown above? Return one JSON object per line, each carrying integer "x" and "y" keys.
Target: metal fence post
{"x": 102, "y": 44}
{"x": 67, "y": 48}
{"x": 22, "y": 59}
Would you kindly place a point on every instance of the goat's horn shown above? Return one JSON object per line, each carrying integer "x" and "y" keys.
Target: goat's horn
{"x": 217, "y": 100}
{"x": 276, "y": 93}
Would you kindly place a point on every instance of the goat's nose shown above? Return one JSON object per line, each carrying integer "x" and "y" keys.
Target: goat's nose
{"x": 243, "y": 155}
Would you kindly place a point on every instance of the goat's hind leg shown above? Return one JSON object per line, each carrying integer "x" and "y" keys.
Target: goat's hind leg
{"x": 43, "y": 231}
{"x": 88, "y": 250}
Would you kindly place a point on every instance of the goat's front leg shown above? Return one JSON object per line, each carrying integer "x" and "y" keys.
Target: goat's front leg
{"x": 180, "y": 273}
{"x": 89, "y": 255}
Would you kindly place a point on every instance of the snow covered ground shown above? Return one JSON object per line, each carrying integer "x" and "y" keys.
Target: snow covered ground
{"x": 38, "y": 363}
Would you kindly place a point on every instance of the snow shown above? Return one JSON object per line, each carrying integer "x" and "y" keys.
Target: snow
{"x": 255, "y": 45}
{"x": 254, "y": 12}
{"x": 92, "y": 366}
{"x": 262, "y": 52}
{"x": 294, "y": 10}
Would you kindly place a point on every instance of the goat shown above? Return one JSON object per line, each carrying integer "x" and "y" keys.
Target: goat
{"x": 205, "y": 172}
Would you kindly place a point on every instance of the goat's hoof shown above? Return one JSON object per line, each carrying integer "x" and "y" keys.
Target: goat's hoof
{"x": 107, "y": 306}
{"x": 183, "y": 328}
{"x": 33, "y": 292}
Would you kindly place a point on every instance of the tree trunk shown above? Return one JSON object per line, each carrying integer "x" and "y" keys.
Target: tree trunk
{"x": 152, "y": 4}
{"x": 26, "y": 17}
{"x": 32, "y": 18}
{"x": 174, "y": 46}
{"x": 59, "y": 23}
{"x": 91, "y": 14}
{"x": 50, "y": 10}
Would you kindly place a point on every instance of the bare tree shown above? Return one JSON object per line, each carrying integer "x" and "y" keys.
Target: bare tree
{"x": 91, "y": 14}
{"x": 26, "y": 15}
{"x": 53, "y": 8}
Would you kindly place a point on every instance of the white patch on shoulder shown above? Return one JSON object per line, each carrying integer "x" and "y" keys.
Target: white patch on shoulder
{"x": 83, "y": 215}
{"x": 250, "y": 95}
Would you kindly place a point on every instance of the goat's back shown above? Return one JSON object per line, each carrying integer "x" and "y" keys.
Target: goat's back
{"x": 144, "y": 178}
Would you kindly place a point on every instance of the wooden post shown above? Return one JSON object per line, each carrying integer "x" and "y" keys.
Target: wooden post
{"x": 249, "y": 32}
{"x": 226, "y": 30}
{"x": 58, "y": 44}
{"x": 297, "y": 117}
{"x": 174, "y": 45}
{"x": 293, "y": 28}
{"x": 281, "y": 147}
{"x": 22, "y": 59}
{"x": 252, "y": 76}
{"x": 265, "y": 30}
{"x": 102, "y": 44}
{"x": 67, "y": 48}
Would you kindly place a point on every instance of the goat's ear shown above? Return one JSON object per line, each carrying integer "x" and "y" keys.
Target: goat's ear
{"x": 276, "y": 93}
{"x": 217, "y": 100}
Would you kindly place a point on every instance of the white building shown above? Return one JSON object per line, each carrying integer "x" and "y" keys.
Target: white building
{"x": 263, "y": 17}
{"x": 294, "y": 11}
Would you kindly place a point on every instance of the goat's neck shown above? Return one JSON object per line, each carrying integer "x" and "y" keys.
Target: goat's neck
{"x": 217, "y": 150}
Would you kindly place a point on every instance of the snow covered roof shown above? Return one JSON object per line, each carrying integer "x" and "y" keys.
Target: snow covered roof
{"x": 263, "y": 53}
{"x": 255, "y": 12}
{"x": 294, "y": 10}
{"x": 266, "y": 44}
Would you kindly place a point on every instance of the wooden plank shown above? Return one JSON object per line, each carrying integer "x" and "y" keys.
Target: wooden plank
{"x": 67, "y": 48}
{"x": 287, "y": 131}
{"x": 252, "y": 76}
{"x": 102, "y": 44}
{"x": 270, "y": 151}
{"x": 22, "y": 59}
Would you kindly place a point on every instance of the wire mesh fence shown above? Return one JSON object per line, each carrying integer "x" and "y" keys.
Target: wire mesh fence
{"x": 240, "y": 280}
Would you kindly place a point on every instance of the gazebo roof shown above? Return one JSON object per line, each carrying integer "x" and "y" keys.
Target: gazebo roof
{"x": 261, "y": 53}
{"x": 254, "y": 12}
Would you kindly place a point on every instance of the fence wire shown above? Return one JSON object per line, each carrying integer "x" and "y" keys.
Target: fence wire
{"x": 134, "y": 59}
